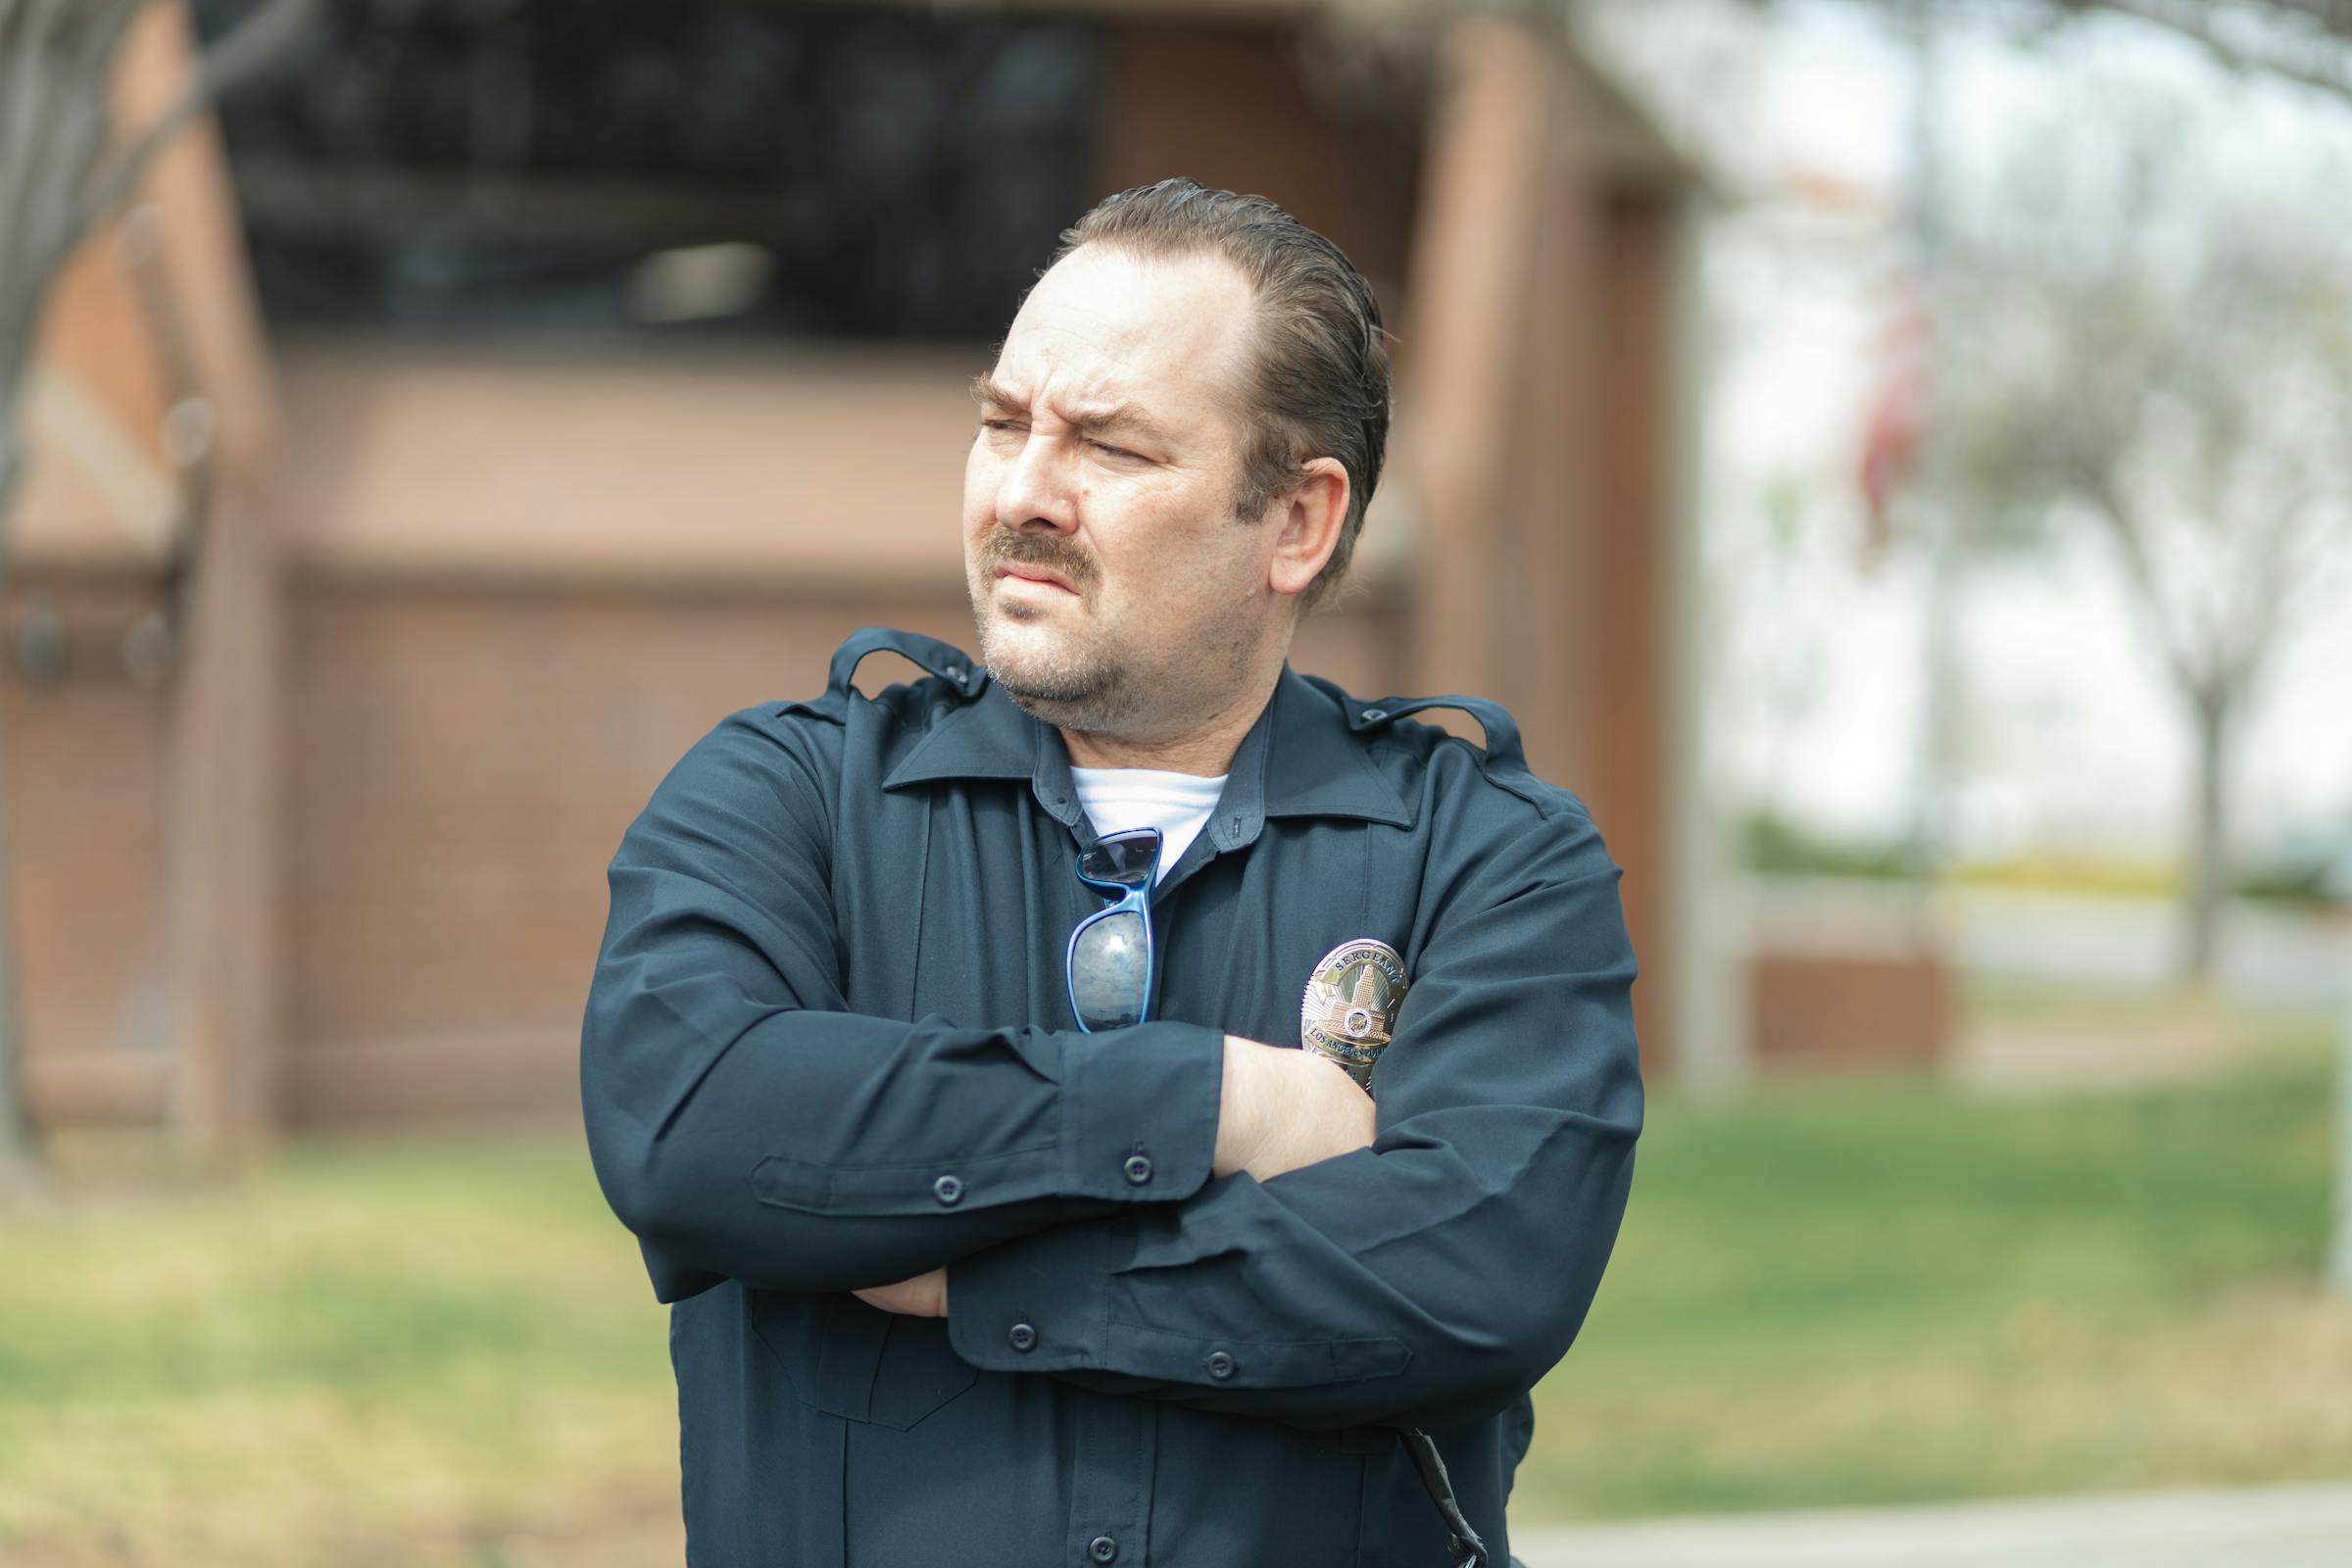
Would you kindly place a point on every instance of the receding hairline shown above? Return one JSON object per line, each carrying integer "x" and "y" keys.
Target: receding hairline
{"x": 1233, "y": 398}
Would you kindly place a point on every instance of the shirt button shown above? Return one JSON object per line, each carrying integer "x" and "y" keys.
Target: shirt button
{"x": 1373, "y": 715}
{"x": 1103, "y": 1548}
{"x": 1221, "y": 1366}
{"x": 1022, "y": 1337}
{"x": 949, "y": 1190}
{"x": 1139, "y": 1169}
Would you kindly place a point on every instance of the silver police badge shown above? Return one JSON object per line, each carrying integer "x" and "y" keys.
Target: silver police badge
{"x": 1352, "y": 1004}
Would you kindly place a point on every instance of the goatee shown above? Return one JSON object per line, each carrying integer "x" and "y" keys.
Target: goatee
{"x": 1071, "y": 685}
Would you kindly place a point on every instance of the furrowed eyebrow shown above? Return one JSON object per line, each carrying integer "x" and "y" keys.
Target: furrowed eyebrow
{"x": 986, "y": 392}
{"x": 1105, "y": 419}
{"x": 1116, "y": 419}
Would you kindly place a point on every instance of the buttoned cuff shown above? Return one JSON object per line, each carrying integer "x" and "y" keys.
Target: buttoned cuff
{"x": 1036, "y": 1305}
{"x": 1138, "y": 1111}
{"x": 1043, "y": 1303}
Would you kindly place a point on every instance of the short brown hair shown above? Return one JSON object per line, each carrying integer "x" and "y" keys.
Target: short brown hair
{"x": 1318, "y": 382}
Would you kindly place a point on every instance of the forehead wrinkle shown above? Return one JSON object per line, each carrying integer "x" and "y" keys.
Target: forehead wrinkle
{"x": 1082, "y": 413}
{"x": 1034, "y": 365}
{"x": 1096, "y": 351}
{"x": 1230, "y": 366}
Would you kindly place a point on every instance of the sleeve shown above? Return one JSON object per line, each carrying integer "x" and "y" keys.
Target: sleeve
{"x": 1429, "y": 1280}
{"x": 745, "y": 1125}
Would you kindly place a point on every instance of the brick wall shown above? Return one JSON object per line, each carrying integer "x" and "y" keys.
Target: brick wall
{"x": 82, "y": 772}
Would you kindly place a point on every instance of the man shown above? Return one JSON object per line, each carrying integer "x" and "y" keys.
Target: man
{"x": 960, "y": 1278}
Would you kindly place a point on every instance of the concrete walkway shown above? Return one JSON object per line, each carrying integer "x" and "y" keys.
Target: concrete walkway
{"x": 2259, "y": 1527}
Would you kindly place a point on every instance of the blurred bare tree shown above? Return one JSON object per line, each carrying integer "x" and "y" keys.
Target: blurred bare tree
{"x": 2304, "y": 41}
{"x": 2141, "y": 344}
{"x": 64, "y": 171}
{"x": 2307, "y": 41}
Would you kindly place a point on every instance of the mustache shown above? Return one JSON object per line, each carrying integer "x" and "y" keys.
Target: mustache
{"x": 1006, "y": 547}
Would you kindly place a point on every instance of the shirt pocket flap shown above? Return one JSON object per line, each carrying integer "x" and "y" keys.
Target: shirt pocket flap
{"x": 855, "y": 1361}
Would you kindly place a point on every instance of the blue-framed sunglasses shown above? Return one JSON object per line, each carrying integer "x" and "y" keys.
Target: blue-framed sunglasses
{"x": 1108, "y": 964}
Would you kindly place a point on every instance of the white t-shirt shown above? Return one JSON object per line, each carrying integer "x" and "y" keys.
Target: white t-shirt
{"x": 1179, "y": 804}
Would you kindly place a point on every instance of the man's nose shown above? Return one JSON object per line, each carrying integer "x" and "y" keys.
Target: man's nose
{"x": 1036, "y": 489}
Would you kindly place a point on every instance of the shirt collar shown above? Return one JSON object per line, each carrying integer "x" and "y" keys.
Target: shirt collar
{"x": 1301, "y": 757}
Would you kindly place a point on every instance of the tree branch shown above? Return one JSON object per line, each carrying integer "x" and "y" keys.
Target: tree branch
{"x": 42, "y": 76}
{"x": 2194, "y": 22}
{"x": 72, "y": 52}
{"x": 2121, "y": 519}
{"x": 2325, "y": 24}
{"x": 251, "y": 45}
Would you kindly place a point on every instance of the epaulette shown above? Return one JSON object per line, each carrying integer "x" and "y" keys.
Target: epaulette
{"x": 942, "y": 660}
{"x": 1504, "y": 759}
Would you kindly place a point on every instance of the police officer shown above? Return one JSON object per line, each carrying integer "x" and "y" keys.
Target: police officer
{"x": 944, "y": 1051}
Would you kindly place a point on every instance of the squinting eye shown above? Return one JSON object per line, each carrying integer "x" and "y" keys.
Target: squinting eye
{"x": 1117, "y": 451}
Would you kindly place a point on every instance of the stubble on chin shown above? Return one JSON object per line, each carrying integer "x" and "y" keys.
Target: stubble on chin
{"x": 1068, "y": 682}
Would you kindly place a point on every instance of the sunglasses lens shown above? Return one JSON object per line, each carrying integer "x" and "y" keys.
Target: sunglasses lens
{"x": 1110, "y": 969}
{"x": 1124, "y": 858}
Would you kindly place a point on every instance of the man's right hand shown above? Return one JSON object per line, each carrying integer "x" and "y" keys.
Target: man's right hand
{"x": 1285, "y": 1108}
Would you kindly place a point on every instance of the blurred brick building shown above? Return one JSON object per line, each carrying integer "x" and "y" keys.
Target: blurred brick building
{"x": 342, "y": 649}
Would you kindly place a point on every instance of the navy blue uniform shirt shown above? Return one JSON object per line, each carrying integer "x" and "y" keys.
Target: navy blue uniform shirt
{"x": 828, "y": 1046}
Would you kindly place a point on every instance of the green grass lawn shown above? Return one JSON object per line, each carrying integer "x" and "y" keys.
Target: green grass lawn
{"x": 433, "y": 1346}
{"x": 1878, "y": 1292}
{"x": 445, "y": 1353}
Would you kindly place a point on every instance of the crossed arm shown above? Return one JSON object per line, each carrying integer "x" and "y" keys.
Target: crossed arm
{"x": 1277, "y": 1111}
{"x": 1286, "y": 1257}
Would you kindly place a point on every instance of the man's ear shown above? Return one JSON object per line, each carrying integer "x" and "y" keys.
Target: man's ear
{"x": 1308, "y": 520}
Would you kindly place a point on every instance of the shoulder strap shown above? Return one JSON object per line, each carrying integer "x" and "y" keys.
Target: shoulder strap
{"x": 1503, "y": 749}
{"x": 942, "y": 660}
{"x": 949, "y": 663}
